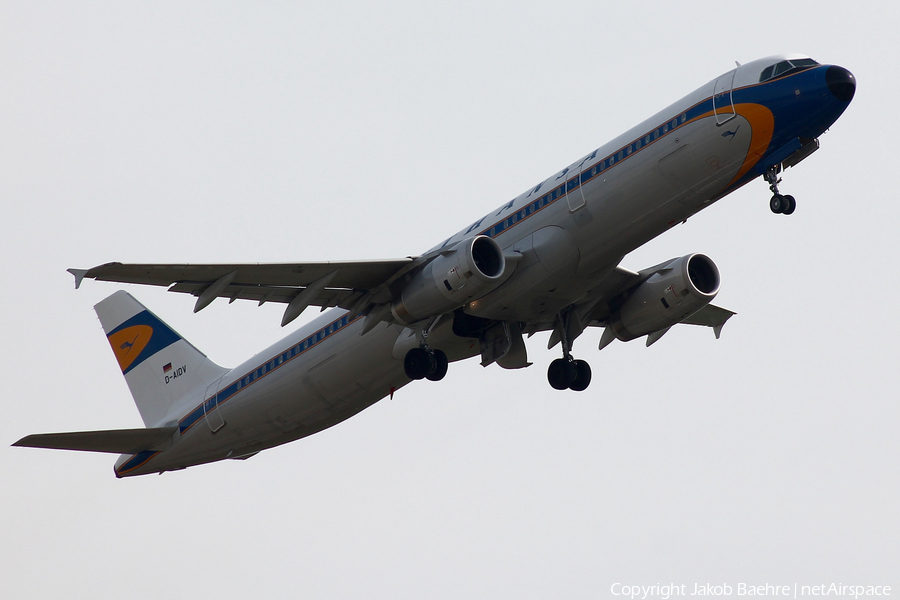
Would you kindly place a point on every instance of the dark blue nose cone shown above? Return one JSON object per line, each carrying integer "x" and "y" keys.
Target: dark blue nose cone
{"x": 841, "y": 82}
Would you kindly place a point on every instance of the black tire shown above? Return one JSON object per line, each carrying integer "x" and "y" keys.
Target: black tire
{"x": 582, "y": 376}
{"x": 561, "y": 374}
{"x": 439, "y": 366}
{"x": 777, "y": 204}
{"x": 789, "y": 205}
{"x": 416, "y": 363}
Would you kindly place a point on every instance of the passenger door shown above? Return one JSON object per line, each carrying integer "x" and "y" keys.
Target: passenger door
{"x": 723, "y": 103}
{"x": 211, "y": 407}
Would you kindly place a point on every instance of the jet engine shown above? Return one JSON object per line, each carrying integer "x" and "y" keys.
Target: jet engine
{"x": 468, "y": 270}
{"x": 674, "y": 291}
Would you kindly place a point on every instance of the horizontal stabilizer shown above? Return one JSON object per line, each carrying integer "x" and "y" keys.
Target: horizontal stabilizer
{"x": 116, "y": 441}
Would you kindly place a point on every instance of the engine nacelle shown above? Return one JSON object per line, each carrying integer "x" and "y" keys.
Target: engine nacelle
{"x": 678, "y": 290}
{"x": 469, "y": 270}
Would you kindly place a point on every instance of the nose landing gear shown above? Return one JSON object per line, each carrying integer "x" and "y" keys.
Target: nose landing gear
{"x": 779, "y": 204}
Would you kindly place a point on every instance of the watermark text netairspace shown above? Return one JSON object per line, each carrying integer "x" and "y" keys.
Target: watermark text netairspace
{"x": 792, "y": 590}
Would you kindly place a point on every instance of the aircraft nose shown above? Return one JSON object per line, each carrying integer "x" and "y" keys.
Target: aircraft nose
{"x": 841, "y": 83}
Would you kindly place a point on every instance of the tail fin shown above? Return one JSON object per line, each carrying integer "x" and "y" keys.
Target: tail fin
{"x": 159, "y": 365}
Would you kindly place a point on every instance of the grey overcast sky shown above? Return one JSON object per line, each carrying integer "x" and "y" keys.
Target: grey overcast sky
{"x": 277, "y": 131}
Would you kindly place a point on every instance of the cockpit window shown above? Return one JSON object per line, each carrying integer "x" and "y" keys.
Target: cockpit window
{"x": 785, "y": 66}
{"x": 782, "y": 67}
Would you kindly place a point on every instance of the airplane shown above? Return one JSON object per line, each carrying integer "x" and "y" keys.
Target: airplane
{"x": 547, "y": 260}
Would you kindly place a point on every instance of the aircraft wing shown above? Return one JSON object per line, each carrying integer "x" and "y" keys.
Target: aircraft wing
{"x": 605, "y": 299}
{"x": 621, "y": 280}
{"x": 710, "y": 316}
{"x": 348, "y": 284}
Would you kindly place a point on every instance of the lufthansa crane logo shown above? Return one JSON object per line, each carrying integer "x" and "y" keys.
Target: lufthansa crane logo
{"x": 731, "y": 134}
{"x": 127, "y": 344}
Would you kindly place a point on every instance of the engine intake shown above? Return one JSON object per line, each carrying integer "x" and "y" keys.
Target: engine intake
{"x": 469, "y": 270}
{"x": 675, "y": 291}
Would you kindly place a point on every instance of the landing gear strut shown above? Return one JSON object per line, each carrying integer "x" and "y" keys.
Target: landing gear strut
{"x": 779, "y": 204}
{"x": 566, "y": 372}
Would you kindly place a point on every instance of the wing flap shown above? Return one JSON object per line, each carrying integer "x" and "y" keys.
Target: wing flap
{"x": 117, "y": 441}
{"x": 266, "y": 293}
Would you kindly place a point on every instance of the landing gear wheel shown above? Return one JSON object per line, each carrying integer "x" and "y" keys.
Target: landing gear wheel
{"x": 780, "y": 205}
{"x": 439, "y": 366}
{"x": 777, "y": 204}
{"x": 417, "y": 363}
{"x": 561, "y": 374}
{"x": 789, "y": 205}
{"x": 582, "y": 376}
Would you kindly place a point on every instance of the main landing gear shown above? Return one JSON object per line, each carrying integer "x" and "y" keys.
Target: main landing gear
{"x": 566, "y": 372}
{"x": 779, "y": 204}
{"x": 424, "y": 362}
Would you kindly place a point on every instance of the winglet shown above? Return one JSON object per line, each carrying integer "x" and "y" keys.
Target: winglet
{"x": 79, "y": 276}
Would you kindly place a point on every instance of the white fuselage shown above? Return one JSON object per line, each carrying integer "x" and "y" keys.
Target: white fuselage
{"x": 571, "y": 231}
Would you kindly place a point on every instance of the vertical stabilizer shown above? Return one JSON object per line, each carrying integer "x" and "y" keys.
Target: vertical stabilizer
{"x": 159, "y": 365}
